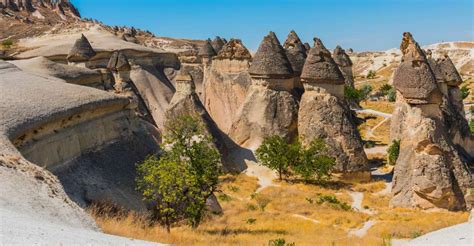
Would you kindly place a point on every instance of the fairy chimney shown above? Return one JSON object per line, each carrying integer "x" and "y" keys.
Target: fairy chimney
{"x": 206, "y": 52}
{"x": 233, "y": 57}
{"x": 345, "y": 65}
{"x": 296, "y": 53}
{"x": 120, "y": 68}
{"x": 217, "y": 43}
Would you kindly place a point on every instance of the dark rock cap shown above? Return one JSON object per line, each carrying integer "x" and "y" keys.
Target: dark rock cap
{"x": 414, "y": 77}
{"x": 434, "y": 66}
{"x": 307, "y": 47}
{"x": 448, "y": 70}
{"x": 271, "y": 60}
{"x": 118, "y": 62}
{"x": 207, "y": 50}
{"x": 295, "y": 52}
{"x": 81, "y": 51}
{"x": 341, "y": 58}
{"x": 234, "y": 49}
{"x": 217, "y": 44}
{"x": 320, "y": 67}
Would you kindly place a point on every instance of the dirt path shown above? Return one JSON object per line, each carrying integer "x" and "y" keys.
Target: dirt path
{"x": 306, "y": 218}
{"x": 374, "y": 112}
{"x": 264, "y": 175}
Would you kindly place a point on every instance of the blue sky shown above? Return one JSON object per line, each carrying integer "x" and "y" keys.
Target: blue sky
{"x": 357, "y": 24}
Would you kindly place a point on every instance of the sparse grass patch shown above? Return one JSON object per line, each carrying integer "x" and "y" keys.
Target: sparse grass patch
{"x": 381, "y": 105}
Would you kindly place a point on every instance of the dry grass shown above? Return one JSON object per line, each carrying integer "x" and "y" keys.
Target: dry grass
{"x": 370, "y": 130}
{"x": 382, "y": 106}
{"x": 250, "y": 219}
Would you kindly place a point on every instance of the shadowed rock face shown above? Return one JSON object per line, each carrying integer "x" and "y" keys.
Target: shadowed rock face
{"x": 217, "y": 43}
{"x": 81, "y": 51}
{"x": 271, "y": 60}
{"x": 345, "y": 65}
{"x": 206, "y": 50}
{"x": 320, "y": 67}
{"x": 430, "y": 171}
{"x": 451, "y": 75}
{"x": 296, "y": 52}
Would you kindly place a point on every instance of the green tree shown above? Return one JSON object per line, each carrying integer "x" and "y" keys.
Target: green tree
{"x": 352, "y": 94}
{"x": 371, "y": 74}
{"x": 365, "y": 91}
{"x": 313, "y": 163}
{"x": 7, "y": 43}
{"x": 185, "y": 176}
{"x": 465, "y": 92}
{"x": 393, "y": 151}
{"x": 276, "y": 154}
{"x": 392, "y": 95}
{"x": 385, "y": 89}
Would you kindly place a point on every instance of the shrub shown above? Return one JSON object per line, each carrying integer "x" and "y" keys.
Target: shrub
{"x": 276, "y": 154}
{"x": 224, "y": 197}
{"x": 351, "y": 94}
{"x": 385, "y": 89}
{"x": 465, "y": 92}
{"x": 392, "y": 95}
{"x": 251, "y": 221}
{"x": 313, "y": 163}
{"x": 393, "y": 151}
{"x": 333, "y": 202}
{"x": 471, "y": 125}
{"x": 280, "y": 242}
{"x": 365, "y": 91}
{"x": 7, "y": 43}
{"x": 371, "y": 74}
{"x": 179, "y": 183}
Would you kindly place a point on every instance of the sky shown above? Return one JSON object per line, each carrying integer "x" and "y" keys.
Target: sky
{"x": 359, "y": 24}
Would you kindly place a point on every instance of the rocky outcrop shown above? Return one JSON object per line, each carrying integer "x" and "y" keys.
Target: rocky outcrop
{"x": 217, "y": 43}
{"x": 269, "y": 108}
{"x": 81, "y": 52}
{"x": 88, "y": 138}
{"x": 63, "y": 7}
{"x": 324, "y": 114}
{"x": 430, "y": 172}
{"x": 345, "y": 65}
{"x": 227, "y": 83}
{"x": 206, "y": 52}
{"x": 296, "y": 53}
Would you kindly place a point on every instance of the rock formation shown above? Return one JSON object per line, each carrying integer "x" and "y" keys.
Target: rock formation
{"x": 217, "y": 43}
{"x": 81, "y": 52}
{"x": 324, "y": 114}
{"x": 296, "y": 53}
{"x": 227, "y": 83}
{"x": 345, "y": 65}
{"x": 429, "y": 171}
{"x": 206, "y": 52}
{"x": 120, "y": 68}
{"x": 269, "y": 108}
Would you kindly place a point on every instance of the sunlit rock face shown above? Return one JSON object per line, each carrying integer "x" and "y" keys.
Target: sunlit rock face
{"x": 430, "y": 171}
{"x": 269, "y": 107}
{"x": 324, "y": 113}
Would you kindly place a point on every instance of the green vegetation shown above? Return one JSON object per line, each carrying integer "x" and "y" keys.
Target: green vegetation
{"x": 371, "y": 74}
{"x": 333, "y": 202}
{"x": 385, "y": 89}
{"x": 7, "y": 43}
{"x": 309, "y": 163}
{"x": 365, "y": 91}
{"x": 392, "y": 95}
{"x": 471, "y": 125}
{"x": 184, "y": 177}
{"x": 465, "y": 92}
{"x": 393, "y": 151}
{"x": 280, "y": 242}
{"x": 357, "y": 95}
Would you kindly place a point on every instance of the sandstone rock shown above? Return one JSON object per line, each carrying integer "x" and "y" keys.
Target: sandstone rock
{"x": 430, "y": 171}
{"x": 296, "y": 53}
{"x": 269, "y": 108}
{"x": 345, "y": 65}
{"x": 217, "y": 43}
{"x": 227, "y": 83}
{"x": 324, "y": 114}
{"x": 82, "y": 51}
{"x": 307, "y": 47}
{"x": 206, "y": 52}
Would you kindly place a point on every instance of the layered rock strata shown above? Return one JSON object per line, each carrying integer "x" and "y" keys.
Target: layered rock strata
{"x": 430, "y": 172}
{"x": 324, "y": 114}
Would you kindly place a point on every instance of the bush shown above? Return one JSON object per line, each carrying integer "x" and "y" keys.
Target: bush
{"x": 333, "y": 202}
{"x": 7, "y": 43}
{"x": 393, "y": 151}
{"x": 385, "y": 89}
{"x": 276, "y": 154}
{"x": 465, "y": 92}
{"x": 371, "y": 75}
{"x": 280, "y": 242}
{"x": 365, "y": 91}
{"x": 471, "y": 125}
{"x": 392, "y": 95}
{"x": 180, "y": 182}
{"x": 351, "y": 94}
{"x": 313, "y": 163}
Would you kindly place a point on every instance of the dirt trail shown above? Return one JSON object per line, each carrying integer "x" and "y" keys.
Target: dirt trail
{"x": 264, "y": 175}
